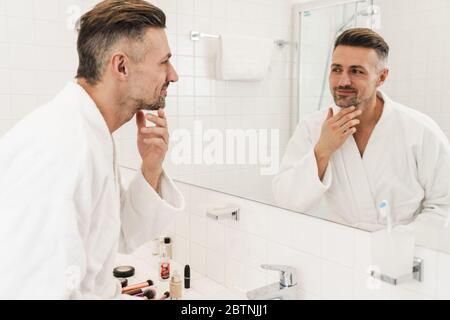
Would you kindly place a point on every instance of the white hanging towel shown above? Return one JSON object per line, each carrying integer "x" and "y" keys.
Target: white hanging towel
{"x": 242, "y": 58}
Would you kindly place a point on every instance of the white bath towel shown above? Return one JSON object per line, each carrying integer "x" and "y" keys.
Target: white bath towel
{"x": 242, "y": 58}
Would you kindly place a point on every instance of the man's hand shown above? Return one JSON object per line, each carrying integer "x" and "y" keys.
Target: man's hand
{"x": 153, "y": 144}
{"x": 335, "y": 131}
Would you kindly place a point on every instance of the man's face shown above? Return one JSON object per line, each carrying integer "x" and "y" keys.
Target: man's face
{"x": 151, "y": 77}
{"x": 354, "y": 75}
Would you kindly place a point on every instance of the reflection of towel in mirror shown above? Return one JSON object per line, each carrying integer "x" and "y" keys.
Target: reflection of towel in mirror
{"x": 243, "y": 58}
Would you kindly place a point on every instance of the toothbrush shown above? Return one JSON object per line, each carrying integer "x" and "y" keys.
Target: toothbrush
{"x": 385, "y": 212}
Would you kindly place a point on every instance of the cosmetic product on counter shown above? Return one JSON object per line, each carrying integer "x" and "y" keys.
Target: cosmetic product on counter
{"x": 149, "y": 293}
{"x": 187, "y": 277}
{"x": 123, "y": 282}
{"x": 137, "y": 291}
{"x": 164, "y": 267}
{"x": 175, "y": 286}
{"x": 165, "y": 296}
{"x": 147, "y": 283}
{"x": 168, "y": 247}
{"x": 124, "y": 272}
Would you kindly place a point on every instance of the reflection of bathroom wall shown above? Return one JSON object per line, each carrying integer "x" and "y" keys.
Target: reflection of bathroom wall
{"x": 417, "y": 32}
{"x": 318, "y": 30}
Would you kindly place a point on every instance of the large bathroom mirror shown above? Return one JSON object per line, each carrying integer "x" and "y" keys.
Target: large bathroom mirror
{"x": 232, "y": 136}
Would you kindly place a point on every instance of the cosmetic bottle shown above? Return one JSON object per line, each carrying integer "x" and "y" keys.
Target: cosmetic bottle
{"x": 168, "y": 247}
{"x": 175, "y": 286}
{"x": 164, "y": 267}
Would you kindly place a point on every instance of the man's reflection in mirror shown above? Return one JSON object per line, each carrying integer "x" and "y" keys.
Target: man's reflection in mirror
{"x": 367, "y": 148}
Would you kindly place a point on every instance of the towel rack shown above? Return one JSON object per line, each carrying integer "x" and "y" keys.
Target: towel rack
{"x": 196, "y": 36}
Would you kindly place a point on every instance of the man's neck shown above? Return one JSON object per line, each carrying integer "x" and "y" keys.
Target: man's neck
{"x": 103, "y": 102}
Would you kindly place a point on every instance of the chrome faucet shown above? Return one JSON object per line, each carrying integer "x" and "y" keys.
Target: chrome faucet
{"x": 285, "y": 289}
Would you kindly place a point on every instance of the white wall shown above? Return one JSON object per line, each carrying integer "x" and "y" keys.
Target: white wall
{"x": 37, "y": 55}
{"x": 417, "y": 32}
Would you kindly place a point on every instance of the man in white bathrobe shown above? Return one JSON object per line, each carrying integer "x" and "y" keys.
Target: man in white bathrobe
{"x": 367, "y": 148}
{"x": 64, "y": 213}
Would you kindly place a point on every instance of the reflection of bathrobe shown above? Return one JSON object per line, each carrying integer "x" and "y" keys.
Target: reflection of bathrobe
{"x": 64, "y": 214}
{"x": 406, "y": 162}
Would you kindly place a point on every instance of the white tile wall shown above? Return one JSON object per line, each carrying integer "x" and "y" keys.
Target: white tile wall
{"x": 443, "y": 287}
{"x": 332, "y": 261}
{"x": 37, "y": 54}
{"x": 417, "y": 32}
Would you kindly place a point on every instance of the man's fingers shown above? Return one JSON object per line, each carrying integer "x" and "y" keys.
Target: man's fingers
{"x": 158, "y": 121}
{"x": 157, "y": 142}
{"x": 343, "y": 113}
{"x": 330, "y": 113}
{"x": 156, "y": 132}
{"x": 349, "y": 132}
{"x": 348, "y": 117}
{"x": 349, "y": 124}
{"x": 162, "y": 113}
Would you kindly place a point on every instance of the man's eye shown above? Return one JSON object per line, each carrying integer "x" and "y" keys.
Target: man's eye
{"x": 355, "y": 71}
{"x": 336, "y": 70}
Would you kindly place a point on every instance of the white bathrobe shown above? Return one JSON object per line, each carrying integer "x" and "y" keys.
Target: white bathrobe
{"x": 64, "y": 215}
{"x": 406, "y": 162}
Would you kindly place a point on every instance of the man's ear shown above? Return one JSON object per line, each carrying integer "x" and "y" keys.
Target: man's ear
{"x": 383, "y": 76}
{"x": 119, "y": 64}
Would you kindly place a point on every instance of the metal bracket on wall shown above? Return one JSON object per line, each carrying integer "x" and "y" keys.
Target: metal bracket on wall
{"x": 224, "y": 212}
{"x": 417, "y": 274}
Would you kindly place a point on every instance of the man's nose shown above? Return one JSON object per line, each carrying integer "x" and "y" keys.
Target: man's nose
{"x": 344, "y": 80}
{"x": 172, "y": 76}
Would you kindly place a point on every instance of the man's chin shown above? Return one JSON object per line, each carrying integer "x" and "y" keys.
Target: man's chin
{"x": 153, "y": 107}
{"x": 343, "y": 103}
{"x": 345, "y": 106}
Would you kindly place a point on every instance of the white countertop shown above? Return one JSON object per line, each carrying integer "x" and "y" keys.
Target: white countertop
{"x": 147, "y": 268}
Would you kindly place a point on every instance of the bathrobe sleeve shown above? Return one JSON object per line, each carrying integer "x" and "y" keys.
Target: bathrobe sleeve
{"x": 145, "y": 213}
{"x": 434, "y": 175}
{"x": 298, "y": 186}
